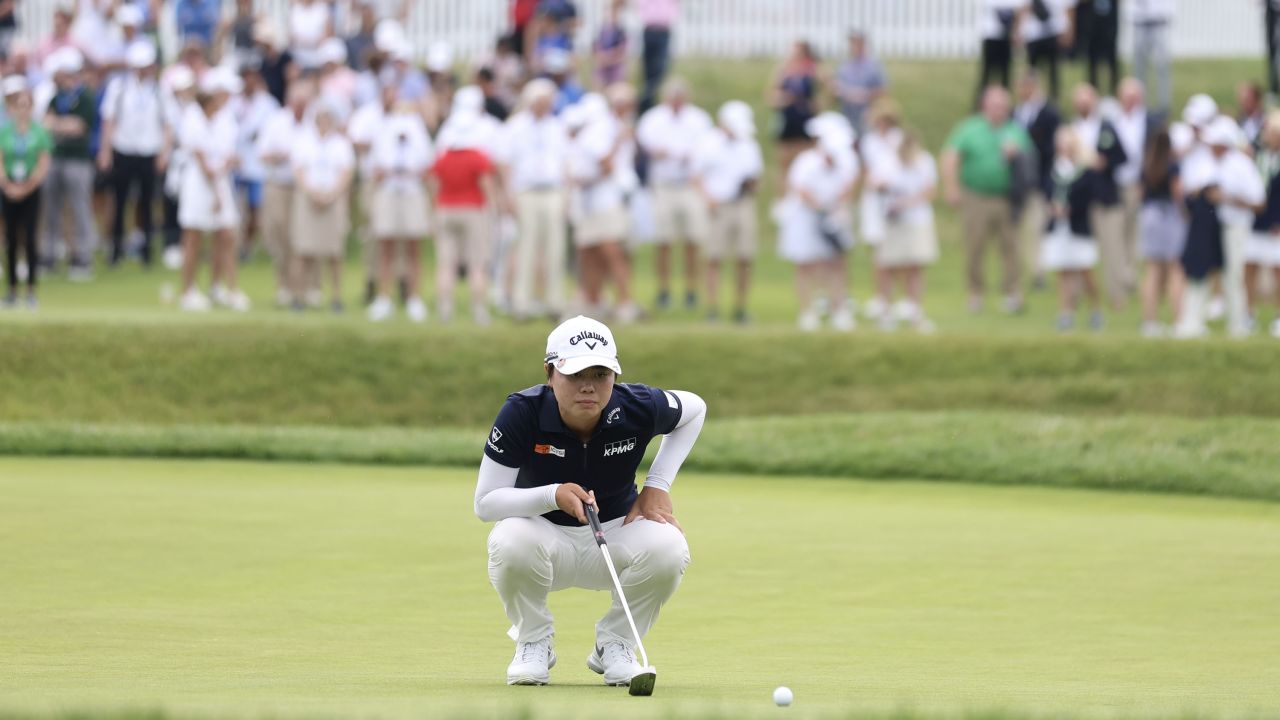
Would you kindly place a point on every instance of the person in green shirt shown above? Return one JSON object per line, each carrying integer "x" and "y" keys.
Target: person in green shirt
{"x": 977, "y": 177}
{"x": 25, "y": 149}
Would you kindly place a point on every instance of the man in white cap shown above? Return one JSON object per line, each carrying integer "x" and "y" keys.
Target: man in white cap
{"x": 535, "y": 147}
{"x": 727, "y": 172}
{"x": 337, "y": 81}
{"x": 670, "y": 135}
{"x": 70, "y": 116}
{"x": 579, "y": 439}
{"x": 135, "y": 145}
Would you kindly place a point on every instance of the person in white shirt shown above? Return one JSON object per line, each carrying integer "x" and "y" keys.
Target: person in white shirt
{"x": 365, "y": 124}
{"x": 1048, "y": 30}
{"x": 604, "y": 176}
{"x": 670, "y": 135}
{"x": 401, "y": 158}
{"x": 879, "y": 155}
{"x": 814, "y": 225}
{"x": 180, "y": 93}
{"x": 206, "y": 203}
{"x": 910, "y": 183}
{"x": 1151, "y": 26}
{"x": 1134, "y": 128}
{"x": 1242, "y": 194}
{"x": 323, "y": 168}
{"x": 728, "y": 170}
{"x": 252, "y": 108}
{"x": 535, "y": 148}
{"x": 275, "y": 148}
{"x": 135, "y": 142}
{"x": 310, "y": 23}
{"x": 1229, "y": 190}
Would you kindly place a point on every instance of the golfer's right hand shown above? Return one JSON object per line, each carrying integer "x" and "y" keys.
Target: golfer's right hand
{"x": 570, "y": 497}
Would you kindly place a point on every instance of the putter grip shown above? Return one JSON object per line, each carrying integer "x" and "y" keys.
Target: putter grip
{"x": 594, "y": 521}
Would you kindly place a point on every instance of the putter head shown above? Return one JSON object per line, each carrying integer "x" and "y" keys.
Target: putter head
{"x": 642, "y": 684}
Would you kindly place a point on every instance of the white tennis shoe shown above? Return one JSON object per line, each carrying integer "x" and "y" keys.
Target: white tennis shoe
{"x": 616, "y": 661}
{"x": 532, "y": 663}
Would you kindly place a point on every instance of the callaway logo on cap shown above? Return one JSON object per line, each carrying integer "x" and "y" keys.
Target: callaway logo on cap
{"x": 580, "y": 343}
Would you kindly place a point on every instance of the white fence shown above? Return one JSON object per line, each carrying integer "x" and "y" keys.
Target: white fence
{"x": 744, "y": 28}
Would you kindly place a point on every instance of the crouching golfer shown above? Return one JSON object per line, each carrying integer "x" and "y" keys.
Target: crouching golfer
{"x": 579, "y": 439}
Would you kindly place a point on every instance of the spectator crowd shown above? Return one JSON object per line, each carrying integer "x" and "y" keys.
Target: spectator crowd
{"x": 540, "y": 163}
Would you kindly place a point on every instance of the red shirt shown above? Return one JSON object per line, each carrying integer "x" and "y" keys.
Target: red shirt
{"x": 459, "y": 173}
{"x": 522, "y": 12}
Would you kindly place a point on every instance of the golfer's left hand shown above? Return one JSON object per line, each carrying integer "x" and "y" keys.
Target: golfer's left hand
{"x": 653, "y": 504}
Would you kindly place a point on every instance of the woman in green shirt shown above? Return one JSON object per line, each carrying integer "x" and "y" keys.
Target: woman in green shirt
{"x": 24, "y": 163}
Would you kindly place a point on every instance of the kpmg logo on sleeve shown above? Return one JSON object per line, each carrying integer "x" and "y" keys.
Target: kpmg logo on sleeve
{"x": 620, "y": 447}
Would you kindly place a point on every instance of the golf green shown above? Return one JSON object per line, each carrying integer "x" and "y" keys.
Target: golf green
{"x": 242, "y": 590}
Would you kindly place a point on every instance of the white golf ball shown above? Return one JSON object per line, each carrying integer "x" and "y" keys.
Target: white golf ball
{"x": 782, "y": 697}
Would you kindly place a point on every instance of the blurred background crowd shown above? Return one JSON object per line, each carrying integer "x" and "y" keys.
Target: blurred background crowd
{"x": 536, "y": 170}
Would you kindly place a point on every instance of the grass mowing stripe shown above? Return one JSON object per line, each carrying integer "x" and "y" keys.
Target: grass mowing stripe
{"x": 1229, "y": 457}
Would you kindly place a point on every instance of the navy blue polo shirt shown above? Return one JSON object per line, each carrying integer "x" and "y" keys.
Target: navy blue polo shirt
{"x": 530, "y": 435}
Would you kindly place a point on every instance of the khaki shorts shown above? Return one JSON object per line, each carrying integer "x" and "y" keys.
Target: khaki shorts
{"x": 398, "y": 213}
{"x": 319, "y": 232}
{"x": 679, "y": 214}
{"x": 463, "y": 237}
{"x": 733, "y": 231}
{"x": 602, "y": 227}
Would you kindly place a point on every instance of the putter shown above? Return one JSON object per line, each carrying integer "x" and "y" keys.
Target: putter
{"x": 641, "y": 684}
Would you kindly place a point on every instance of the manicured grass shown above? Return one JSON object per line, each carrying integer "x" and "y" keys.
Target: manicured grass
{"x": 1228, "y": 457}
{"x": 222, "y": 589}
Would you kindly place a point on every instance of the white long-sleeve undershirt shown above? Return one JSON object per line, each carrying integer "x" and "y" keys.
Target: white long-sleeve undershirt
{"x": 498, "y": 498}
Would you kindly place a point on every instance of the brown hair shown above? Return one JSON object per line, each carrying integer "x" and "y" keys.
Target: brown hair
{"x": 1156, "y": 164}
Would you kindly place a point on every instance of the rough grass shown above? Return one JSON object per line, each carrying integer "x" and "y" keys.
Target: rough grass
{"x": 357, "y": 377}
{"x": 1229, "y": 457}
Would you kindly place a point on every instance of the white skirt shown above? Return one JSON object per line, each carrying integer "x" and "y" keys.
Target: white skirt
{"x": 1063, "y": 251}
{"x": 801, "y": 236}
{"x": 196, "y": 202}
{"x": 1262, "y": 249}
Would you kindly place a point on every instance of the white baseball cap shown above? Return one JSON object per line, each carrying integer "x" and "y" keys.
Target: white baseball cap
{"x": 13, "y": 85}
{"x": 333, "y": 51}
{"x": 129, "y": 16}
{"x": 1200, "y": 111}
{"x": 141, "y": 55}
{"x": 1223, "y": 132}
{"x": 579, "y": 343}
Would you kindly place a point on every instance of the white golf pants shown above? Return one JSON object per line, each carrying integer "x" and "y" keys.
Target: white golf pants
{"x": 530, "y": 557}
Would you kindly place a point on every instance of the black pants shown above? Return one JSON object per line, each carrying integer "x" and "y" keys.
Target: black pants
{"x": 1101, "y": 43}
{"x": 127, "y": 171}
{"x": 1046, "y": 52}
{"x": 21, "y": 218}
{"x": 997, "y": 56}
{"x": 1273, "y": 74}
{"x": 657, "y": 57}
{"x": 172, "y": 231}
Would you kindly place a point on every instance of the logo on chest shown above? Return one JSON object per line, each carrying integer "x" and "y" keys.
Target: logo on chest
{"x": 620, "y": 447}
{"x": 548, "y": 450}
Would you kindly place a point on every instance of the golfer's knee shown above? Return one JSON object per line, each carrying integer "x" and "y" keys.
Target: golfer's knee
{"x": 665, "y": 553}
{"x": 515, "y": 545}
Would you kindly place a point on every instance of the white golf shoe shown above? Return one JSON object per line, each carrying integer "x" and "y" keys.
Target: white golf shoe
{"x": 194, "y": 301}
{"x": 416, "y": 310}
{"x": 381, "y": 309}
{"x": 532, "y": 663}
{"x": 616, "y": 661}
